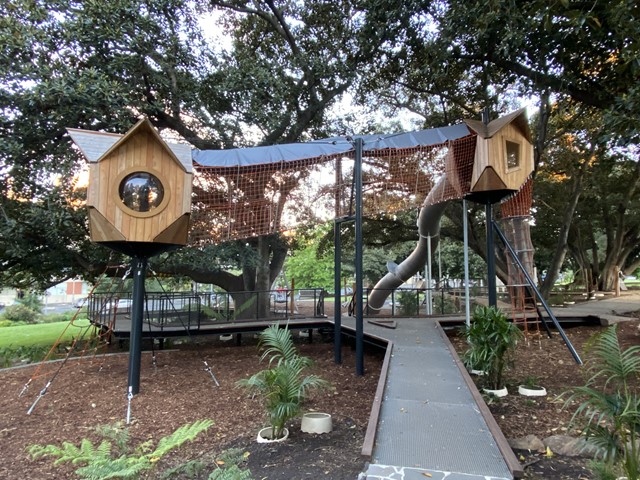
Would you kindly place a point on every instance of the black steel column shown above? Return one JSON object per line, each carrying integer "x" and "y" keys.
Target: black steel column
{"x": 359, "y": 313}
{"x": 337, "y": 298}
{"x": 491, "y": 256}
{"x": 139, "y": 268}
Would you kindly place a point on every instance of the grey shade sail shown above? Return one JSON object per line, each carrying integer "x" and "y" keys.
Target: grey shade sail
{"x": 328, "y": 147}
{"x": 248, "y": 157}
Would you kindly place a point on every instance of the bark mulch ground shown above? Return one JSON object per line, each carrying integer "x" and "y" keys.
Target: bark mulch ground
{"x": 177, "y": 390}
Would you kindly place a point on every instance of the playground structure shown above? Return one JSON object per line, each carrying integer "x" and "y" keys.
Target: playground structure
{"x": 236, "y": 194}
{"x": 242, "y": 193}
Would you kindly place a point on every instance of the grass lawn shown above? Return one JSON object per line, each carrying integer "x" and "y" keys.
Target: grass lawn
{"x": 41, "y": 333}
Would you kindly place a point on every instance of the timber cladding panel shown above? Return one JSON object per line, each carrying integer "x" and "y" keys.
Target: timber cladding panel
{"x": 504, "y": 154}
{"x": 139, "y": 191}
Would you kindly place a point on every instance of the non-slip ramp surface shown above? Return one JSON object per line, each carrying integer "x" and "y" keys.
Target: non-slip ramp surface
{"x": 429, "y": 422}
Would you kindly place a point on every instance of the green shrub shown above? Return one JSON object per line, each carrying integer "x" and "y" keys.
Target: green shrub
{"x": 229, "y": 465}
{"x": 284, "y": 386}
{"x": 31, "y": 300}
{"x": 20, "y": 313}
{"x": 7, "y": 323}
{"x": 445, "y": 304}
{"x": 409, "y": 303}
{"x": 492, "y": 340}
{"x": 59, "y": 317}
{"x": 10, "y": 356}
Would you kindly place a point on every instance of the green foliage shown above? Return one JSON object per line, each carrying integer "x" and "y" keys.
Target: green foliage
{"x": 99, "y": 462}
{"x": 452, "y": 260}
{"x": 190, "y": 469}
{"x": 531, "y": 381}
{"x": 246, "y": 307}
{"x": 445, "y": 304}
{"x": 609, "y": 403}
{"x": 60, "y": 317}
{"x": 87, "y": 452}
{"x": 229, "y": 465}
{"x": 11, "y": 355}
{"x": 212, "y": 314}
{"x": 101, "y": 65}
{"x": 234, "y": 472}
{"x": 32, "y": 301}
{"x": 492, "y": 340}
{"x": 604, "y": 470}
{"x": 20, "y": 313}
{"x": 307, "y": 265}
{"x": 116, "y": 433}
{"x": 183, "y": 434}
{"x": 409, "y": 302}
{"x": 283, "y": 386}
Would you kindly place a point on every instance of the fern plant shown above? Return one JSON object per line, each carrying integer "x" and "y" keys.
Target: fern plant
{"x": 228, "y": 466}
{"x": 283, "y": 386}
{"x": 609, "y": 402}
{"x": 98, "y": 462}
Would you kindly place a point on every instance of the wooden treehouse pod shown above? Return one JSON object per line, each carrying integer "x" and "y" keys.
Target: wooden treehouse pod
{"x": 504, "y": 156}
{"x": 139, "y": 191}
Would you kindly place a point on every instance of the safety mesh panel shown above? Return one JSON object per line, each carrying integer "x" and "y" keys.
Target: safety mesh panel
{"x": 232, "y": 203}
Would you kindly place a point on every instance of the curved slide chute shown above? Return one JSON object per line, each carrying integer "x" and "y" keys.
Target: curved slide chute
{"x": 428, "y": 226}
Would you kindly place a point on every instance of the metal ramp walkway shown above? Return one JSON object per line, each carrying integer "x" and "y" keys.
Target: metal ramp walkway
{"x": 430, "y": 425}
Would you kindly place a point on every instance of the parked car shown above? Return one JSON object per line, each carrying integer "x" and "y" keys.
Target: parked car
{"x": 81, "y": 302}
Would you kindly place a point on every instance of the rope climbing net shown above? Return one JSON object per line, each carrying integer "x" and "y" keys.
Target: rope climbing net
{"x": 515, "y": 213}
{"x": 238, "y": 202}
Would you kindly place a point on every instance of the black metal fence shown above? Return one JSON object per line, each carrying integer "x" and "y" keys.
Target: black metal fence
{"x": 411, "y": 302}
{"x": 189, "y": 310}
{"x": 194, "y": 310}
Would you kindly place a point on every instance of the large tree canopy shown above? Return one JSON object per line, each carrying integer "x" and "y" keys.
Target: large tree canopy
{"x": 464, "y": 55}
{"x": 258, "y": 73}
{"x": 233, "y": 73}
{"x": 449, "y": 59}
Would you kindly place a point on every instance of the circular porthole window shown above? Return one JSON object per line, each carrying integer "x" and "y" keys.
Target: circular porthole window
{"x": 141, "y": 192}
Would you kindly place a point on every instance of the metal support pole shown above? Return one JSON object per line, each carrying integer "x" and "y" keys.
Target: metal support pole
{"x": 491, "y": 257}
{"x": 532, "y": 284}
{"x": 337, "y": 298}
{"x": 429, "y": 276}
{"x": 139, "y": 268}
{"x": 359, "y": 313}
{"x": 439, "y": 282}
{"x": 465, "y": 234}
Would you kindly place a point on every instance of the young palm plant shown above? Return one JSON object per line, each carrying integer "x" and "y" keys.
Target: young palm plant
{"x": 283, "y": 385}
{"x": 609, "y": 402}
{"x": 492, "y": 339}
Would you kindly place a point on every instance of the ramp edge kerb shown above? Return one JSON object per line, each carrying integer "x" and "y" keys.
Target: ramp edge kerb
{"x": 374, "y": 416}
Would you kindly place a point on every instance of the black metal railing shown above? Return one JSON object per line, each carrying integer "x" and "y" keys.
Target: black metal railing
{"x": 445, "y": 300}
{"x": 193, "y": 310}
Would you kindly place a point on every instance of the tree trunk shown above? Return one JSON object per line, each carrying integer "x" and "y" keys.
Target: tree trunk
{"x": 561, "y": 245}
{"x": 250, "y": 290}
{"x": 253, "y": 300}
{"x": 617, "y": 234}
